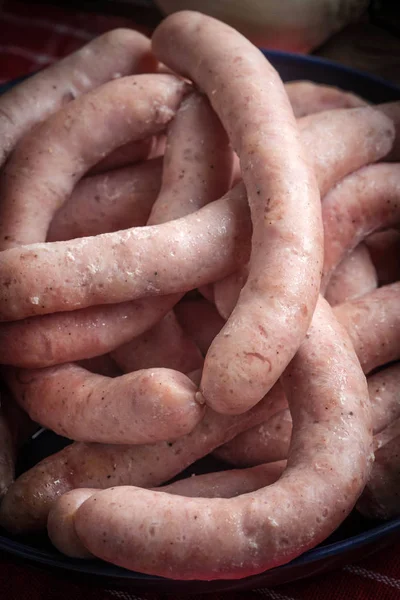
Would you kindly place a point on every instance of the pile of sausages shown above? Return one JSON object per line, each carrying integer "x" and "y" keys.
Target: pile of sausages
{"x": 196, "y": 258}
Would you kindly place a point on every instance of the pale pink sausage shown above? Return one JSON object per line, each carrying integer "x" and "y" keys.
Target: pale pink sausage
{"x": 366, "y": 201}
{"x": 49, "y": 161}
{"x": 124, "y": 265}
{"x": 373, "y": 324}
{"x": 384, "y": 248}
{"x": 108, "y": 202}
{"x": 125, "y": 155}
{"x": 223, "y": 484}
{"x": 28, "y": 501}
{"x": 247, "y": 94}
{"x": 270, "y": 441}
{"x": 71, "y": 336}
{"x": 332, "y": 140}
{"x": 116, "y": 53}
{"x": 353, "y": 277}
{"x": 60, "y": 523}
{"x": 327, "y": 469}
{"x": 164, "y": 345}
{"x": 381, "y": 496}
{"x": 200, "y": 320}
{"x": 308, "y": 98}
{"x": 265, "y": 443}
{"x": 197, "y": 162}
{"x": 144, "y": 407}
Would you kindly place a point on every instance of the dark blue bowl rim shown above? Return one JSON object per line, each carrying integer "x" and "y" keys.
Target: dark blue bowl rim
{"x": 319, "y": 553}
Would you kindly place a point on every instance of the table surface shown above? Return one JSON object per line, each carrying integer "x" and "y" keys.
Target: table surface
{"x": 33, "y": 35}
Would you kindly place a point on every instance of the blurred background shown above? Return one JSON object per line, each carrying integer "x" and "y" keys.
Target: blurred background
{"x": 359, "y": 33}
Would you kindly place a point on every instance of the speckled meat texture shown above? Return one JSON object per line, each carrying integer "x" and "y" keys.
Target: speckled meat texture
{"x": 70, "y": 336}
{"x": 354, "y": 277}
{"x": 366, "y": 201}
{"x": 51, "y": 159}
{"x": 373, "y": 324}
{"x": 332, "y": 141}
{"x": 270, "y": 441}
{"x": 307, "y": 97}
{"x": 112, "y": 55}
{"x": 26, "y": 506}
{"x": 108, "y": 202}
{"x": 164, "y": 345}
{"x": 224, "y": 484}
{"x": 115, "y": 267}
{"x": 198, "y": 161}
{"x": 328, "y": 466}
{"x": 137, "y": 408}
{"x": 254, "y": 347}
{"x": 380, "y": 499}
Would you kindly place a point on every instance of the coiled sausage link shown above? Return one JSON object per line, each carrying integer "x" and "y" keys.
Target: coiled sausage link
{"x": 328, "y": 467}
{"x": 254, "y": 347}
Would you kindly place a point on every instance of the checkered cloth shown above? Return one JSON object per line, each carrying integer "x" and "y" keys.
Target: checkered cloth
{"x": 31, "y": 37}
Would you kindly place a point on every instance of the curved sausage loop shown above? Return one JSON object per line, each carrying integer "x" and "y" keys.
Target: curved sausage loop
{"x": 275, "y": 306}
{"x": 328, "y": 466}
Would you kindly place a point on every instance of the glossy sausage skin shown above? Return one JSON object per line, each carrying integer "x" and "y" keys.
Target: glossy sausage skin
{"x": 327, "y": 469}
{"x": 28, "y": 501}
{"x": 116, "y": 53}
{"x": 137, "y": 408}
{"x": 124, "y": 265}
{"x": 223, "y": 484}
{"x": 50, "y": 160}
{"x": 70, "y": 336}
{"x": 270, "y": 441}
{"x": 365, "y": 201}
{"x": 254, "y": 347}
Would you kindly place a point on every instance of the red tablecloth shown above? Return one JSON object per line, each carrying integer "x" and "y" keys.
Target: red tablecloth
{"x": 32, "y": 36}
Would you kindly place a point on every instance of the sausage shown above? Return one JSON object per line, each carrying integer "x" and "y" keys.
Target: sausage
{"x": 60, "y": 523}
{"x": 327, "y": 469}
{"x": 265, "y": 443}
{"x": 125, "y": 155}
{"x": 108, "y": 202}
{"x": 263, "y": 132}
{"x": 164, "y": 345}
{"x": 270, "y": 440}
{"x": 354, "y": 277}
{"x": 71, "y": 336}
{"x": 200, "y": 320}
{"x": 51, "y": 159}
{"x": 137, "y": 408}
{"x": 26, "y": 505}
{"x": 386, "y": 435}
{"x": 380, "y": 498}
{"x": 384, "y": 248}
{"x": 124, "y": 265}
{"x": 366, "y": 201}
{"x": 332, "y": 141}
{"x": 224, "y": 484}
{"x": 116, "y": 53}
{"x": 198, "y": 161}
{"x": 308, "y": 98}
{"x": 373, "y": 323}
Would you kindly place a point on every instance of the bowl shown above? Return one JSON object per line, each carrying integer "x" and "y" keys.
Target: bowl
{"x": 356, "y": 538}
